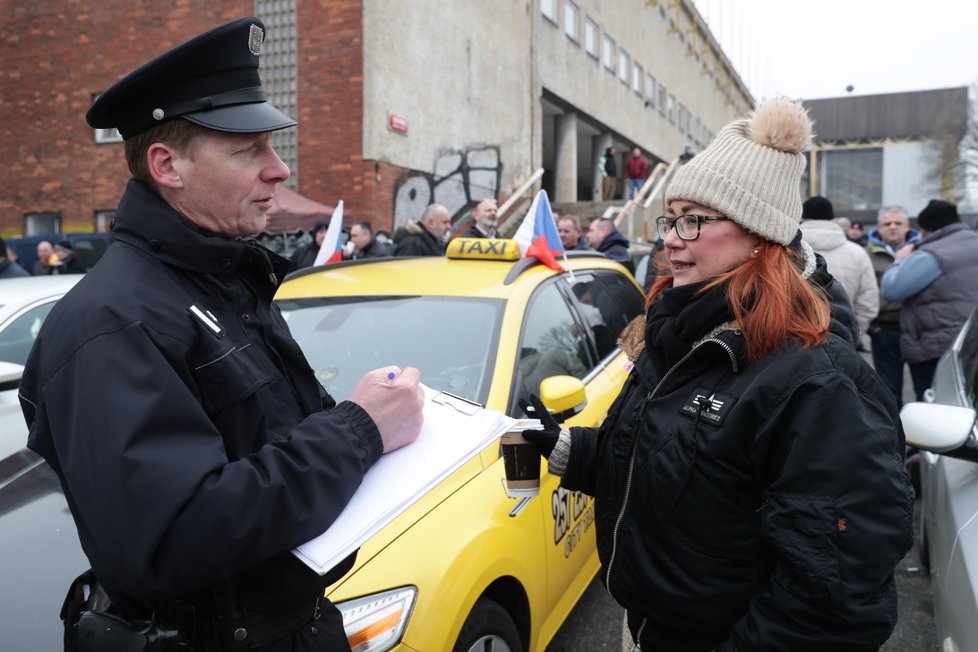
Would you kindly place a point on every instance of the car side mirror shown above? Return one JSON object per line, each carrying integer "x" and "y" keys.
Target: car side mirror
{"x": 10, "y": 374}
{"x": 944, "y": 429}
{"x": 565, "y": 396}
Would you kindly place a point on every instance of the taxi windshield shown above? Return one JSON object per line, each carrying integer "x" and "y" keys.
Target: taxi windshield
{"x": 451, "y": 340}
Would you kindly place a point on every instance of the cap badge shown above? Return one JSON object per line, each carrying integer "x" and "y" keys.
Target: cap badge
{"x": 158, "y": 114}
{"x": 255, "y": 37}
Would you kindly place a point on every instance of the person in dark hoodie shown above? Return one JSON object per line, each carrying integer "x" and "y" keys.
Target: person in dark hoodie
{"x": 604, "y": 237}
{"x": 749, "y": 485}
{"x": 305, "y": 255}
{"x": 8, "y": 266}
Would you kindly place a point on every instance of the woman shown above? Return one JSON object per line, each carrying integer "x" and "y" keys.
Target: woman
{"x": 749, "y": 485}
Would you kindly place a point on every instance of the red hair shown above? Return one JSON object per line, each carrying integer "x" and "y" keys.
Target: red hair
{"x": 770, "y": 300}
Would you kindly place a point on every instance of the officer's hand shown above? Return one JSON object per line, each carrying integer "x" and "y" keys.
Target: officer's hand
{"x": 545, "y": 439}
{"x": 394, "y": 400}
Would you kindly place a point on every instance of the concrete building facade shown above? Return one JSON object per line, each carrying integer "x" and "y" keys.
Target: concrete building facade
{"x": 895, "y": 148}
{"x": 399, "y": 104}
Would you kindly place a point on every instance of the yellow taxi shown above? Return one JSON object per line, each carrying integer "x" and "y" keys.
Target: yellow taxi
{"x": 466, "y": 568}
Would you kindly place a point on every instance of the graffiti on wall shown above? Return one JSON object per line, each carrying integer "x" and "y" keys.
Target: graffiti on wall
{"x": 461, "y": 178}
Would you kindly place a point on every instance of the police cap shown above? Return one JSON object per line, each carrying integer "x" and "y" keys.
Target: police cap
{"x": 211, "y": 80}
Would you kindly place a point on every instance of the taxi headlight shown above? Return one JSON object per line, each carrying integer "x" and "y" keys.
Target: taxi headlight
{"x": 376, "y": 622}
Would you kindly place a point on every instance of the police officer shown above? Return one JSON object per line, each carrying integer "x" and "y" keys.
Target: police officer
{"x": 195, "y": 446}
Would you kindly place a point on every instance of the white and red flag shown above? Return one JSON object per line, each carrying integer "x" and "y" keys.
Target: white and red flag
{"x": 331, "y": 251}
{"x": 537, "y": 235}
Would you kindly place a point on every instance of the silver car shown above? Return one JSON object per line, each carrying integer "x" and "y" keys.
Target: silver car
{"x": 944, "y": 429}
{"x": 24, "y": 303}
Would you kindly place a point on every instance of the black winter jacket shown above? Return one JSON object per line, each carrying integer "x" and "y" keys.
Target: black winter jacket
{"x": 190, "y": 456}
{"x": 750, "y": 506}
{"x": 374, "y": 249}
{"x": 413, "y": 239}
{"x": 615, "y": 247}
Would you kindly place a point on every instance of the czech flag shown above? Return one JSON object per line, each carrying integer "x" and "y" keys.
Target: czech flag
{"x": 331, "y": 251}
{"x": 537, "y": 235}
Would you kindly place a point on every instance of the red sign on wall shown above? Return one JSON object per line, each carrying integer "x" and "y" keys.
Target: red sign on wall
{"x": 397, "y": 123}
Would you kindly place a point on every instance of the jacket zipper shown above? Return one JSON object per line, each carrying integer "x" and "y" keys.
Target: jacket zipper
{"x": 631, "y": 461}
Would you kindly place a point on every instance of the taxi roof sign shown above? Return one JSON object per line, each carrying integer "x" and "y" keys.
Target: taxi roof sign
{"x": 483, "y": 249}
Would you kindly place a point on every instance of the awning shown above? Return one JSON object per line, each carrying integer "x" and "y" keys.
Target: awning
{"x": 291, "y": 211}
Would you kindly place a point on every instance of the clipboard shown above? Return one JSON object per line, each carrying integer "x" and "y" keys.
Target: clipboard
{"x": 458, "y": 403}
{"x": 454, "y": 431}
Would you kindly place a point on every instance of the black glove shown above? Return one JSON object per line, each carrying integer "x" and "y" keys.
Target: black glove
{"x": 545, "y": 439}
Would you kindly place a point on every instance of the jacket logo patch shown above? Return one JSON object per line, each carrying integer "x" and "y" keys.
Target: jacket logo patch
{"x": 710, "y": 406}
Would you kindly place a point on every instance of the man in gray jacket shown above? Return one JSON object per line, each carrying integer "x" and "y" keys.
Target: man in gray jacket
{"x": 935, "y": 281}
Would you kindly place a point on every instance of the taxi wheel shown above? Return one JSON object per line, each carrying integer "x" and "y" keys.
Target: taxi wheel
{"x": 488, "y": 629}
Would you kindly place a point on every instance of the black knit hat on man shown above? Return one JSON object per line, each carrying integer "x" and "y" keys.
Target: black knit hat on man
{"x": 817, "y": 208}
{"x": 938, "y": 214}
{"x": 211, "y": 80}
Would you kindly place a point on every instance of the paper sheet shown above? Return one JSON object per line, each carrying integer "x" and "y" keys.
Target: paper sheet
{"x": 454, "y": 432}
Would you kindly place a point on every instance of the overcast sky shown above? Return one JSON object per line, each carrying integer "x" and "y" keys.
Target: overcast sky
{"x": 816, "y": 48}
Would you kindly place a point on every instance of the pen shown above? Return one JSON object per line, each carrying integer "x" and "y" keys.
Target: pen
{"x": 390, "y": 378}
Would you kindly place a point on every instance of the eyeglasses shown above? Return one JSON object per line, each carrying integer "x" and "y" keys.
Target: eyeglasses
{"x": 687, "y": 226}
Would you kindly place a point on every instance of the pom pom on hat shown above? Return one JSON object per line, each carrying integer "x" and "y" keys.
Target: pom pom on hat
{"x": 781, "y": 125}
{"x": 938, "y": 214}
{"x": 752, "y": 171}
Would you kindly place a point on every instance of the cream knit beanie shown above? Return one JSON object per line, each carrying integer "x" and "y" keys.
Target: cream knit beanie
{"x": 751, "y": 172}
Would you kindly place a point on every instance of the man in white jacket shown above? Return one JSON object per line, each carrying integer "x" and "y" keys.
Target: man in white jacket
{"x": 849, "y": 263}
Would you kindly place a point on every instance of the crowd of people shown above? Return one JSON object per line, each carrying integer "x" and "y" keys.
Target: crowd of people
{"x": 428, "y": 236}
{"x": 52, "y": 259}
{"x": 911, "y": 289}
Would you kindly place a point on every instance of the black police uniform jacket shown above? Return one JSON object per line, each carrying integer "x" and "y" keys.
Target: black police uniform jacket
{"x": 190, "y": 456}
{"x": 747, "y": 506}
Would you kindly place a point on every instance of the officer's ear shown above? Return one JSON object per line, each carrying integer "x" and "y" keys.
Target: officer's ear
{"x": 163, "y": 167}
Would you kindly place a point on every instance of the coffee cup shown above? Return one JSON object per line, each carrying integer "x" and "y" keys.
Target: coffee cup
{"x": 521, "y": 460}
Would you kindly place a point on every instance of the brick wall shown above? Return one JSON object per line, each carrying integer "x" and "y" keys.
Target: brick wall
{"x": 331, "y": 163}
{"x": 62, "y": 54}
{"x": 56, "y": 57}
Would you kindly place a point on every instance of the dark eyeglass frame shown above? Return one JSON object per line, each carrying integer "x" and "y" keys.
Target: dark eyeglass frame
{"x": 665, "y": 223}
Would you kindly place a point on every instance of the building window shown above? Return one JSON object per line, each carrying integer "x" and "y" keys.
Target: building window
{"x": 852, "y": 178}
{"x": 609, "y": 53}
{"x": 624, "y": 66}
{"x": 277, "y": 68}
{"x": 671, "y": 108}
{"x": 650, "y": 91}
{"x": 549, "y": 10}
{"x": 571, "y": 17}
{"x": 41, "y": 223}
{"x": 637, "y": 75}
{"x": 591, "y": 37}
{"x": 663, "y": 94}
{"x": 682, "y": 119}
{"x": 103, "y": 221}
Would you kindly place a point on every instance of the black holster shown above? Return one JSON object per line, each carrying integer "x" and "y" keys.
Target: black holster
{"x": 90, "y": 625}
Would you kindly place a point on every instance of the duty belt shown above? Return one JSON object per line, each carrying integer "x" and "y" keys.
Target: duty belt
{"x": 248, "y": 631}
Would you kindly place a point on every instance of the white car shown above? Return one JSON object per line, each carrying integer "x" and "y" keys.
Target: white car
{"x": 24, "y": 303}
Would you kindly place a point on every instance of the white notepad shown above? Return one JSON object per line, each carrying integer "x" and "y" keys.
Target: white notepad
{"x": 454, "y": 431}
